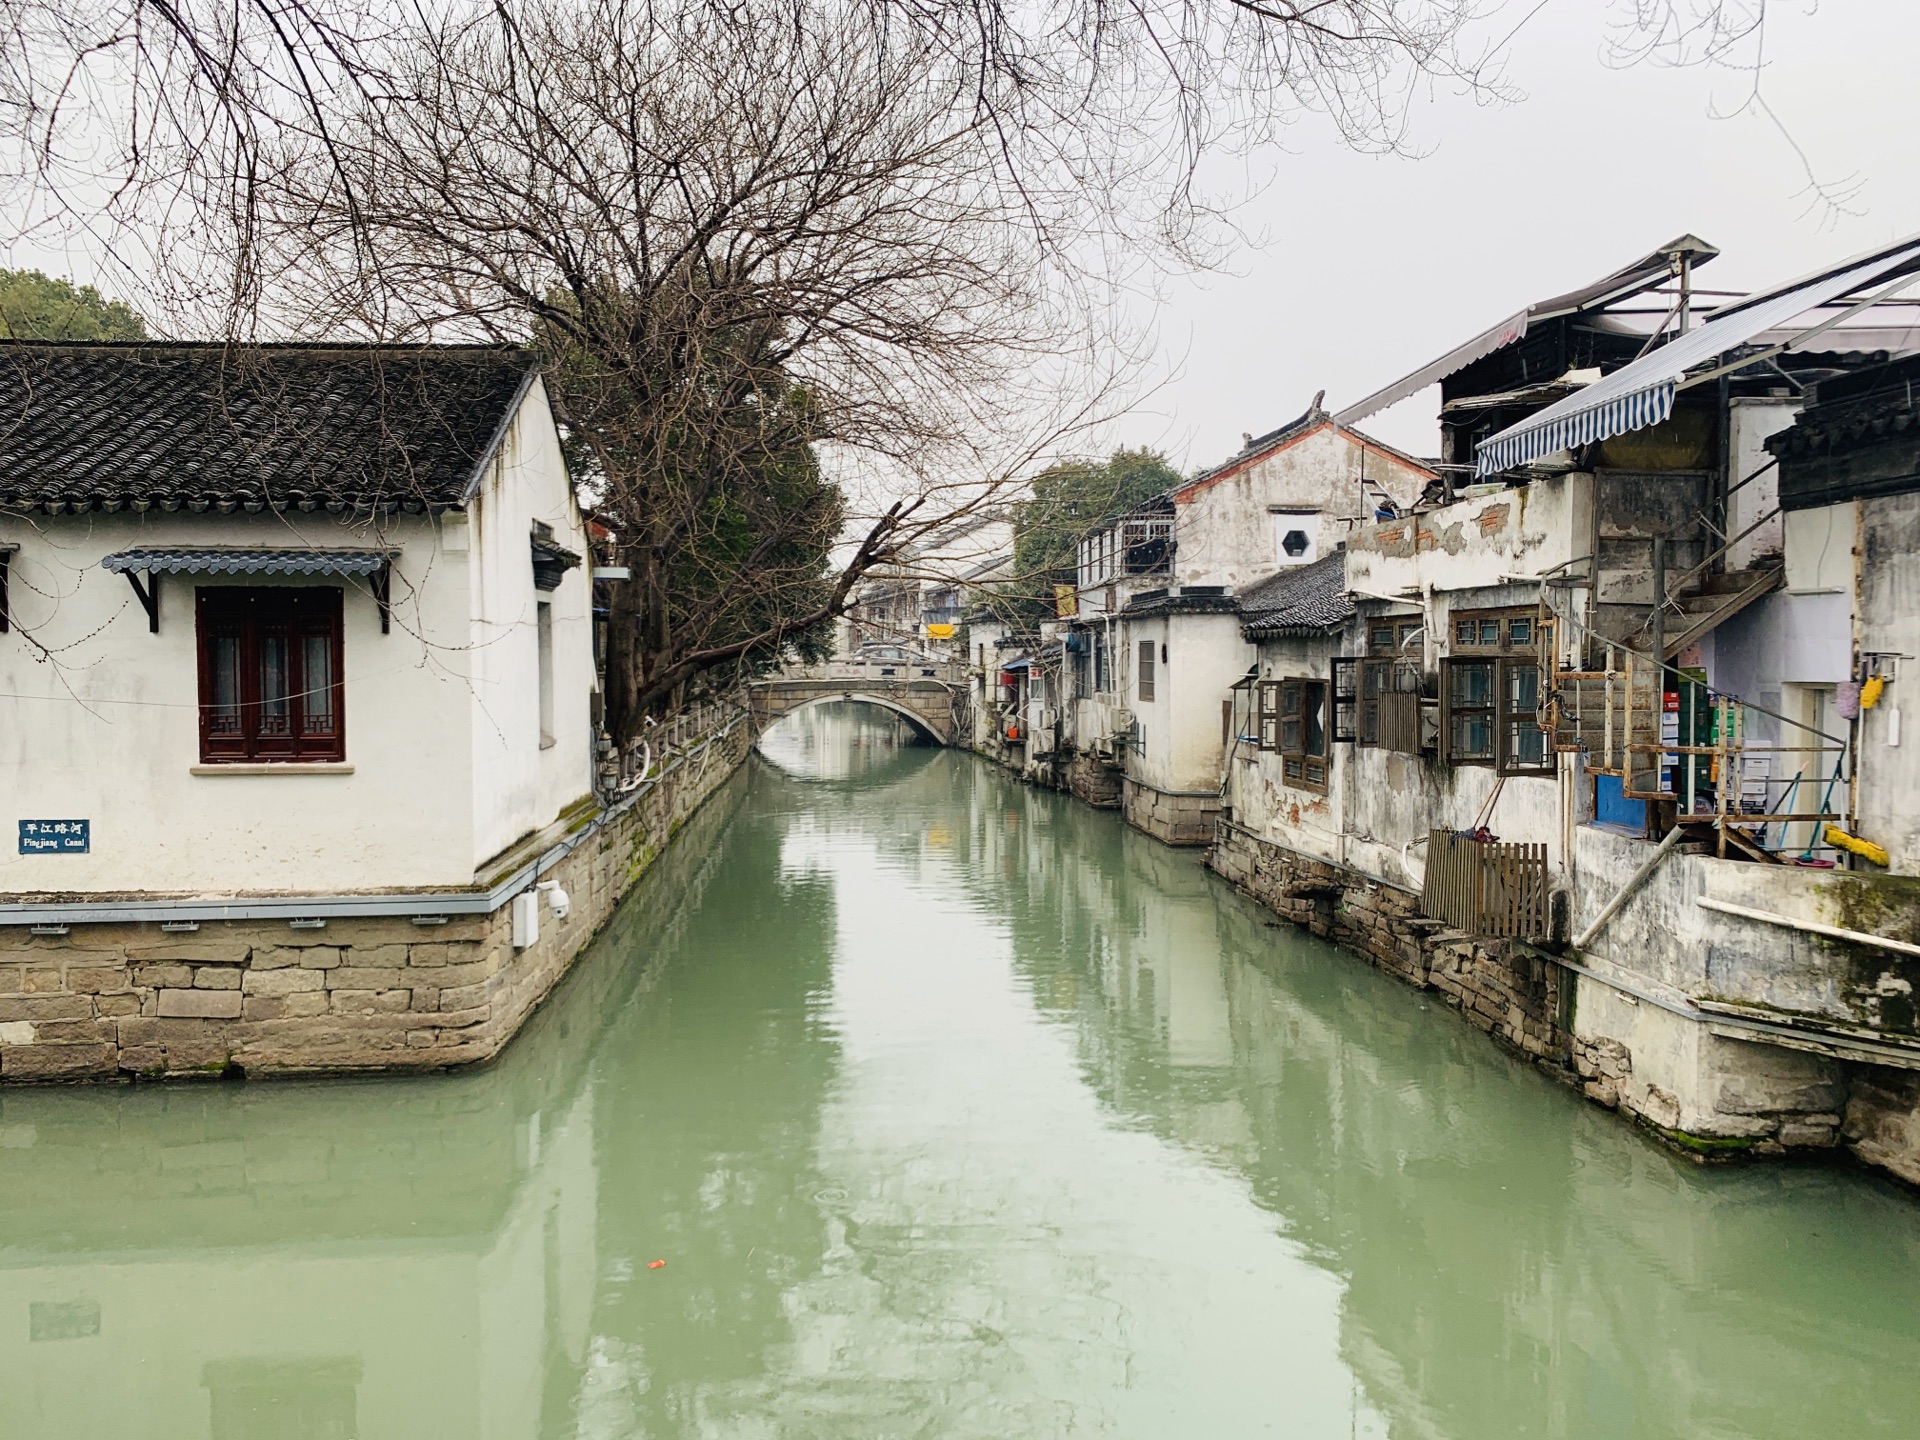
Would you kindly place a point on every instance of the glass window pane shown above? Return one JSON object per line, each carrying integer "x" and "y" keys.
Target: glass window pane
{"x": 1316, "y": 718}
{"x": 1472, "y": 737}
{"x": 1526, "y": 745}
{"x": 1523, "y": 689}
{"x": 1472, "y": 685}
{"x": 273, "y": 683}
{"x": 1489, "y": 632}
{"x": 223, "y": 715}
{"x": 1464, "y": 632}
{"x": 1519, "y": 632}
{"x": 316, "y": 711}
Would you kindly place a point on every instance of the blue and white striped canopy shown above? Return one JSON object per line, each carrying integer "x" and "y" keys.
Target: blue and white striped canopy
{"x": 1641, "y": 393}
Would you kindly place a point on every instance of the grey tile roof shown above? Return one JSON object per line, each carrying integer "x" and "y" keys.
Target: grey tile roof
{"x": 335, "y": 427}
{"x": 1310, "y": 597}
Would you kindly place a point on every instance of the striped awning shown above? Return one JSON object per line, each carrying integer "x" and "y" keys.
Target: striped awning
{"x": 247, "y": 560}
{"x": 1641, "y": 393}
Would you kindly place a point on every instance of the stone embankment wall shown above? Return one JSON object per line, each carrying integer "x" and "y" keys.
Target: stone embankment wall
{"x": 1504, "y": 987}
{"x": 1092, "y": 781}
{"x": 1170, "y": 816}
{"x": 361, "y": 994}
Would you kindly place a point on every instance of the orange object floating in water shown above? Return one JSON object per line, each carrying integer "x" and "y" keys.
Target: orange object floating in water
{"x": 656, "y": 1264}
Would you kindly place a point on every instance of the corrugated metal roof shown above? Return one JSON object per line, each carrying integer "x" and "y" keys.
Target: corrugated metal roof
{"x": 1641, "y": 393}
{"x": 1642, "y": 275}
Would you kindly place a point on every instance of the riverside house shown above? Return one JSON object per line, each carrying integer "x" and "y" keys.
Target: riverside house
{"x": 1142, "y": 717}
{"x": 1606, "y": 745}
{"x": 297, "y": 705}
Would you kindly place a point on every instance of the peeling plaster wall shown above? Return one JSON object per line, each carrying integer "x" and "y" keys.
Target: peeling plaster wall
{"x": 1180, "y": 727}
{"x": 1754, "y": 418}
{"x": 1888, "y": 757}
{"x": 1224, "y": 526}
{"x": 1475, "y": 542}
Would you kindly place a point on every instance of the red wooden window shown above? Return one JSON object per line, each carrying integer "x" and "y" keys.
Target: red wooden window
{"x": 270, "y": 667}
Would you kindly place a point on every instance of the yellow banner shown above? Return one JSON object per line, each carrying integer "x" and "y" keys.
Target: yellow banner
{"x": 1066, "y": 602}
{"x": 940, "y": 632}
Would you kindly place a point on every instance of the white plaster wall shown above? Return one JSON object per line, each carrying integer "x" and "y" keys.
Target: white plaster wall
{"x": 517, "y": 786}
{"x": 99, "y": 718}
{"x": 106, "y": 728}
{"x": 1380, "y": 804}
{"x": 1888, "y": 736}
{"x": 1205, "y": 655}
{"x": 1224, "y": 526}
{"x": 1472, "y": 543}
{"x": 1820, "y": 549}
{"x": 1754, "y": 418}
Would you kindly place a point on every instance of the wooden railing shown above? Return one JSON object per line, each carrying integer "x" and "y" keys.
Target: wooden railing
{"x": 1486, "y": 887}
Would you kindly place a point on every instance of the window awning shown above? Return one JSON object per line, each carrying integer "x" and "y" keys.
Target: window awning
{"x": 230, "y": 560}
{"x": 1641, "y": 393}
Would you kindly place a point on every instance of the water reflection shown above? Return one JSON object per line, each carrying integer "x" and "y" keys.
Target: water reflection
{"x": 954, "y": 1109}
{"x": 844, "y": 741}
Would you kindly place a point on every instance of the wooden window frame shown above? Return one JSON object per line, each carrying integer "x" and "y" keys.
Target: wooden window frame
{"x": 1144, "y": 679}
{"x": 1507, "y": 641}
{"x": 1302, "y": 731}
{"x": 248, "y": 616}
{"x": 1452, "y": 710}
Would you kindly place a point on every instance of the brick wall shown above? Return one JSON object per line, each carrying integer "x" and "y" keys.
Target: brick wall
{"x": 362, "y": 994}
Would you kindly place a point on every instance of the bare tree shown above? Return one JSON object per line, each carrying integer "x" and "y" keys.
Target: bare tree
{"x": 743, "y": 238}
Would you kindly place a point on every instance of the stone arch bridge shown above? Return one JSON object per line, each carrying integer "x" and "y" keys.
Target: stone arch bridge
{"x": 931, "y": 696}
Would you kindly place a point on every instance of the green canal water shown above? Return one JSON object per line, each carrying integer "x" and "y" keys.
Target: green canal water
{"x": 954, "y": 1110}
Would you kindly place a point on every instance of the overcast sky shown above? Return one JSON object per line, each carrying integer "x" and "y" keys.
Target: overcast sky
{"x": 1374, "y": 265}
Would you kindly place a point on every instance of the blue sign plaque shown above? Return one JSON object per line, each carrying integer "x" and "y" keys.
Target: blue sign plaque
{"x": 55, "y": 837}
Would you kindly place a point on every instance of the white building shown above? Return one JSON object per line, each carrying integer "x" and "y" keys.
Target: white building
{"x": 1158, "y": 644}
{"x": 290, "y": 621}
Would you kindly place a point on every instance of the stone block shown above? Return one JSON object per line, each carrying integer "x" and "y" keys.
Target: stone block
{"x": 320, "y": 957}
{"x": 17, "y": 1032}
{"x": 378, "y": 956}
{"x": 368, "y": 1002}
{"x": 465, "y": 996}
{"x": 56, "y": 1062}
{"x": 12, "y": 977}
{"x": 429, "y": 956}
{"x": 99, "y": 979}
{"x": 1604, "y": 1091}
{"x": 284, "y": 1007}
{"x": 277, "y": 957}
{"x": 196, "y": 952}
{"x": 159, "y": 977}
{"x": 421, "y": 1039}
{"x": 362, "y": 977}
{"x": 75, "y": 1032}
{"x": 217, "y": 977}
{"x": 282, "y": 982}
{"x": 1750, "y": 1094}
{"x": 43, "y": 980}
{"x": 46, "y": 1007}
{"x": 200, "y": 1004}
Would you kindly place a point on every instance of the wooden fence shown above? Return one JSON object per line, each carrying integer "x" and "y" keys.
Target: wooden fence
{"x": 1486, "y": 887}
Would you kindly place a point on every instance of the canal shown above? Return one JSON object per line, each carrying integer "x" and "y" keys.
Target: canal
{"x": 953, "y": 1109}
